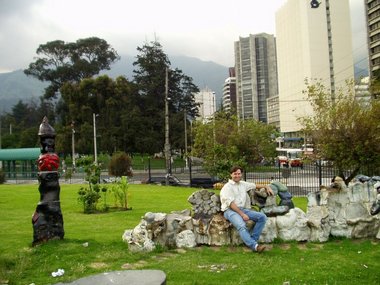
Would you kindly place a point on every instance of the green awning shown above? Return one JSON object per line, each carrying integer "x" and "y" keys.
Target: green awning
{"x": 19, "y": 154}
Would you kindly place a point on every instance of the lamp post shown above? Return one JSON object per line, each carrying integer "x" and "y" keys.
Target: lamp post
{"x": 1, "y": 162}
{"x": 185, "y": 121}
{"x": 167, "y": 143}
{"x": 95, "y": 147}
{"x": 73, "y": 144}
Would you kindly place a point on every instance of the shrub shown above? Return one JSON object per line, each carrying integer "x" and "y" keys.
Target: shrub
{"x": 90, "y": 195}
{"x": 120, "y": 165}
{"x": 120, "y": 191}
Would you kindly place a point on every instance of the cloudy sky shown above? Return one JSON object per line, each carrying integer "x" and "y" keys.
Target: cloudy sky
{"x": 205, "y": 29}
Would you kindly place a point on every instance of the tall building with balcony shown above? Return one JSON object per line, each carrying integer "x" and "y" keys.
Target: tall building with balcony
{"x": 373, "y": 27}
{"x": 314, "y": 42}
{"x": 229, "y": 92}
{"x": 256, "y": 75}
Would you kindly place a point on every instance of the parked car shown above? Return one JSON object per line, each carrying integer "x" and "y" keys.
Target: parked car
{"x": 161, "y": 180}
{"x": 204, "y": 182}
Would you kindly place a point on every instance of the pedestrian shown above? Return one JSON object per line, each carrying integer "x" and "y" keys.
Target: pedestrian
{"x": 237, "y": 209}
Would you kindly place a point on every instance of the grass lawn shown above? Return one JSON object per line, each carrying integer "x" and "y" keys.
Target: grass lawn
{"x": 339, "y": 261}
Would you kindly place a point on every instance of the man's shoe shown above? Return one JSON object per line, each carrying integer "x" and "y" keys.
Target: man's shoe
{"x": 259, "y": 248}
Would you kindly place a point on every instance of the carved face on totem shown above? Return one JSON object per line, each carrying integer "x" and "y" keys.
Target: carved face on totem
{"x": 47, "y": 144}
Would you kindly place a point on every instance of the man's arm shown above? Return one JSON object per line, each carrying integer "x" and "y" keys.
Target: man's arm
{"x": 267, "y": 188}
{"x": 236, "y": 209}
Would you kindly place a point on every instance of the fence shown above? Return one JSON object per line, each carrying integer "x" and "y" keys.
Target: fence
{"x": 302, "y": 180}
{"x": 299, "y": 180}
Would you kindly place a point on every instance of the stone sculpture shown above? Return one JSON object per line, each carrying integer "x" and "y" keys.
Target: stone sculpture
{"x": 336, "y": 210}
{"x": 47, "y": 219}
{"x": 375, "y": 208}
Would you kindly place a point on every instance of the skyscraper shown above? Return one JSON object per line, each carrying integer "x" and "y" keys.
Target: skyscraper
{"x": 256, "y": 75}
{"x": 373, "y": 24}
{"x": 313, "y": 42}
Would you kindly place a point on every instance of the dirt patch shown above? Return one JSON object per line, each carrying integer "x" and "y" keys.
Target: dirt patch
{"x": 180, "y": 250}
{"x": 302, "y": 246}
{"x": 317, "y": 246}
{"x": 215, "y": 248}
{"x": 98, "y": 265}
{"x": 138, "y": 264}
{"x": 232, "y": 249}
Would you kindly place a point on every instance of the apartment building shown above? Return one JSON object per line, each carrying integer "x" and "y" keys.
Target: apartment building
{"x": 256, "y": 75}
{"x": 314, "y": 42}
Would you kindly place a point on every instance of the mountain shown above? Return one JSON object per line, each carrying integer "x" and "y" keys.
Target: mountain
{"x": 205, "y": 74}
{"x": 15, "y": 86}
{"x": 360, "y": 72}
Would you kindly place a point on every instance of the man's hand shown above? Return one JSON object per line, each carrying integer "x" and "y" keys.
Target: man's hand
{"x": 269, "y": 190}
{"x": 245, "y": 217}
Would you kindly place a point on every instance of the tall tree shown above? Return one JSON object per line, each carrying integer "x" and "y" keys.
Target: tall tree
{"x": 61, "y": 62}
{"x": 345, "y": 130}
{"x": 152, "y": 66}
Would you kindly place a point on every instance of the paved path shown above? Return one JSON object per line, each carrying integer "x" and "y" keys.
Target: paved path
{"x": 130, "y": 277}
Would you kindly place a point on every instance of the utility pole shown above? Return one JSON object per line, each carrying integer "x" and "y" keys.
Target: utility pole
{"x": 185, "y": 121}
{"x": 73, "y": 145}
{"x": 167, "y": 143}
{"x": 1, "y": 162}
{"x": 95, "y": 148}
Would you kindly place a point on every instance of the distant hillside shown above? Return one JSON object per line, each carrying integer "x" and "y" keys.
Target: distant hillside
{"x": 204, "y": 73}
{"x": 360, "y": 72}
{"x": 15, "y": 86}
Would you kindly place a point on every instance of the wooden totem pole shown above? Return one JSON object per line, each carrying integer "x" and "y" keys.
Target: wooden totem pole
{"x": 47, "y": 220}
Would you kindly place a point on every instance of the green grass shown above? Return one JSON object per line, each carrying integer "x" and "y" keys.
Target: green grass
{"x": 339, "y": 261}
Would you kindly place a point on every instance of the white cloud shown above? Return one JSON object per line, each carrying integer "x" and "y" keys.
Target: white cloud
{"x": 200, "y": 28}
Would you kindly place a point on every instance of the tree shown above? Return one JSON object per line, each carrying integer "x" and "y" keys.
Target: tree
{"x": 375, "y": 85}
{"x": 345, "y": 130}
{"x": 119, "y": 120}
{"x": 61, "y": 62}
{"x": 222, "y": 143}
{"x": 23, "y": 122}
{"x": 149, "y": 76}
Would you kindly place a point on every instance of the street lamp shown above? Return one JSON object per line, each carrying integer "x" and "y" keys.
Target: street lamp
{"x": 73, "y": 144}
{"x": 95, "y": 148}
{"x": 1, "y": 162}
{"x": 185, "y": 122}
{"x": 167, "y": 143}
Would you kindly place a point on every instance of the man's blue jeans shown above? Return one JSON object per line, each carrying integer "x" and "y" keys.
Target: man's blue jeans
{"x": 250, "y": 238}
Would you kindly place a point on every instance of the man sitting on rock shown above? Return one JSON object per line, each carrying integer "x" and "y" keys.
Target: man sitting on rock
{"x": 236, "y": 205}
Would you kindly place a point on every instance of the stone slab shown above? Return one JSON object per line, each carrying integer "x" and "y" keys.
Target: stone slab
{"x": 130, "y": 277}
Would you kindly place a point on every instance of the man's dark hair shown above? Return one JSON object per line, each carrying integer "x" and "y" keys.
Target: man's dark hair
{"x": 235, "y": 168}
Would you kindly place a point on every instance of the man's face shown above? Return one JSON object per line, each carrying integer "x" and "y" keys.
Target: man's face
{"x": 236, "y": 176}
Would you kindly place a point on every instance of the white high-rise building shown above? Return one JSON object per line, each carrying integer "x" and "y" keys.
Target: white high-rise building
{"x": 229, "y": 92}
{"x": 207, "y": 104}
{"x": 313, "y": 42}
